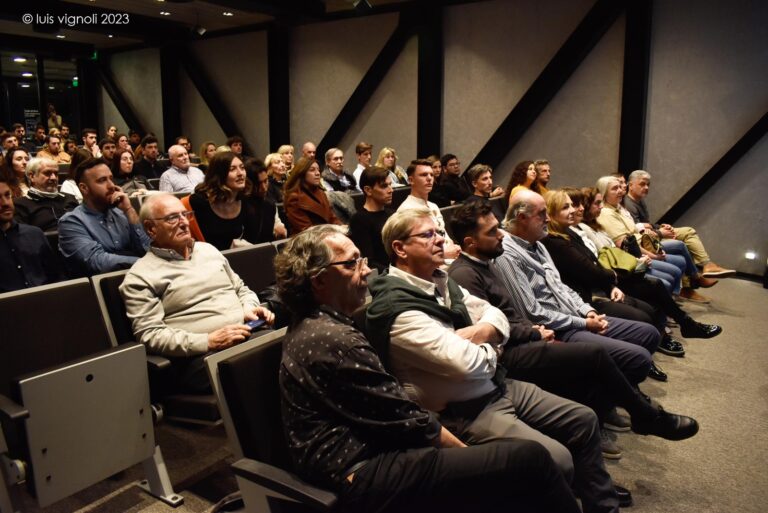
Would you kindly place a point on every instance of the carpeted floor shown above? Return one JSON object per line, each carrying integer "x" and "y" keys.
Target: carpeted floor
{"x": 722, "y": 382}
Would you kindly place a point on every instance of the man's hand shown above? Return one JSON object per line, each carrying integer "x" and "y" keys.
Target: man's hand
{"x": 261, "y": 313}
{"x": 120, "y": 199}
{"x": 498, "y": 191}
{"x": 280, "y": 232}
{"x": 451, "y": 251}
{"x": 667, "y": 232}
{"x": 617, "y": 295}
{"x": 447, "y": 439}
{"x": 546, "y": 335}
{"x": 596, "y": 323}
{"x": 480, "y": 333}
{"x": 227, "y": 336}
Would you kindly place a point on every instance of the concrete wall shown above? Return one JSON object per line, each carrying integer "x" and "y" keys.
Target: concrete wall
{"x": 109, "y": 115}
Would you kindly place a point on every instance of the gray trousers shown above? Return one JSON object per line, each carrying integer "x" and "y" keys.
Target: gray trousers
{"x": 568, "y": 430}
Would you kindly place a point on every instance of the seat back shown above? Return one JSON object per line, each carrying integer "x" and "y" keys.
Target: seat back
{"x": 253, "y": 264}
{"x": 45, "y": 326}
{"x": 399, "y": 194}
{"x": 245, "y": 380}
{"x": 112, "y": 307}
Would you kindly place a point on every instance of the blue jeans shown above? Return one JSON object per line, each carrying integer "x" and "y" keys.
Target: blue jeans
{"x": 677, "y": 248}
{"x": 669, "y": 273}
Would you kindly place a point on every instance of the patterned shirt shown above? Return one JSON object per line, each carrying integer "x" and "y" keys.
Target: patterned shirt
{"x": 176, "y": 180}
{"x": 340, "y": 407}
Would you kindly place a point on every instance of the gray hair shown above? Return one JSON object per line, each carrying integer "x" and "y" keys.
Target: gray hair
{"x": 330, "y": 152}
{"x": 604, "y": 182}
{"x": 36, "y": 164}
{"x": 304, "y": 257}
{"x": 147, "y": 210}
{"x": 519, "y": 205}
{"x": 638, "y": 174}
{"x": 540, "y": 162}
{"x": 398, "y": 227}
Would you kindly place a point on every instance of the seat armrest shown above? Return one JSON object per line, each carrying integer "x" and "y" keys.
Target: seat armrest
{"x": 284, "y": 483}
{"x": 156, "y": 362}
{"x": 11, "y": 410}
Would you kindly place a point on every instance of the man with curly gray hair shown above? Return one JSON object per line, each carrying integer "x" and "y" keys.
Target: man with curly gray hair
{"x": 351, "y": 427}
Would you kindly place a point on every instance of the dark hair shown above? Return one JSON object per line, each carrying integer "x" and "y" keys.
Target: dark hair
{"x": 107, "y": 140}
{"x": 589, "y": 197}
{"x": 179, "y": 138}
{"x": 39, "y": 126}
{"x": 8, "y": 135}
{"x": 234, "y": 139}
{"x": 417, "y": 162}
{"x": 80, "y": 156}
{"x": 519, "y": 176}
{"x": 17, "y": 125}
{"x": 7, "y": 173}
{"x": 464, "y": 220}
{"x": 87, "y": 131}
{"x": 371, "y": 176}
{"x": 362, "y": 147}
{"x": 50, "y": 136}
{"x": 576, "y": 195}
{"x": 116, "y": 162}
{"x": 148, "y": 139}
{"x": 446, "y": 158}
{"x": 253, "y": 168}
{"x": 214, "y": 187}
{"x": 86, "y": 165}
{"x": 296, "y": 178}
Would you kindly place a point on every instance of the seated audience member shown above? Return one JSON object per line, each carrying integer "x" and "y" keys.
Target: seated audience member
{"x": 524, "y": 177}
{"x": 112, "y": 132}
{"x": 134, "y": 139}
{"x": 43, "y": 205}
{"x": 38, "y": 138}
{"x": 103, "y": 233}
{"x": 581, "y": 372}
{"x": 442, "y": 343}
{"x": 223, "y": 216}
{"x": 8, "y": 141}
{"x": 53, "y": 151}
{"x": 90, "y": 142}
{"x": 14, "y": 168}
{"x": 543, "y": 175}
{"x": 363, "y": 150}
{"x": 420, "y": 176}
{"x": 618, "y": 223}
{"x": 181, "y": 176}
{"x": 270, "y": 227}
{"x": 388, "y": 160}
{"x": 184, "y": 142}
{"x": 435, "y": 196}
{"x": 66, "y": 135}
{"x": 19, "y": 131}
{"x": 26, "y": 259}
{"x": 305, "y": 201}
{"x": 277, "y": 173}
{"x": 108, "y": 148}
{"x": 351, "y": 427}
{"x": 147, "y": 164}
{"x": 124, "y": 177}
{"x": 366, "y": 225}
{"x": 69, "y": 186}
{"x": 70, "y": 147}
{"x": 183, "y": 298}
{"x": 286, "y": 151}
{"x": 207, "y": 151}
{"x": 452, "y": 187}
{"x": 121, "y": 142}
{"x": 235, "y": 144}
{"x": 309, "y": 150}
{"x": 480, "y": 177}
{"x": 634, "y": 202}
{"x": 534, "y": 285}
{"x": 581, "y": 271}
{"x": 334, "y": 177}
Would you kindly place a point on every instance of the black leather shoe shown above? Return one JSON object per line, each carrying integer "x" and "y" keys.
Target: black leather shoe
{"x": 692, "y": 329}
{"x": 625, "y": 496}
{"x": 667, "y": 425}
{"x": 671, "y": 347}
{"x": 656, "y": 373}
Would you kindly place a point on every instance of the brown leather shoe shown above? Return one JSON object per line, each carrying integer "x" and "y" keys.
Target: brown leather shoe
{"x": 701, "y": 281}
{"x": 712, "y": 270}
{"x": 689, "y": 294}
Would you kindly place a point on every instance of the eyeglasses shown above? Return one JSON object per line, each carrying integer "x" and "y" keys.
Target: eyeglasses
{"x": 352, "y": 264}
{"x": 428, "y": 235}
{"x": 173, "y": 219}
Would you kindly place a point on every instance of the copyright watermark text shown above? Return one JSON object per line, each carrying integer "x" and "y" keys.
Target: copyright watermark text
{"x": 71, "y": 20}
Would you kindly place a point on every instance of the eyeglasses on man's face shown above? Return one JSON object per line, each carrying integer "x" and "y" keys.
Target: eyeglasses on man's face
{"x": 428, "y": 236}
{"x": 352, "y": 264}
{"x": 173, "y": 219}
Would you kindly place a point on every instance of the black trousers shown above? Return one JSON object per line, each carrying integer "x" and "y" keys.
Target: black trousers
{"x": 582, "y": 372}
{"x": 651, "y": 290}
{"x": 505, "y": 475}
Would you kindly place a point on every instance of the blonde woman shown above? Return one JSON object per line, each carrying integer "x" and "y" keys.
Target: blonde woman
{"x": 286, "y": 150}
{"x": 388, "y": 160}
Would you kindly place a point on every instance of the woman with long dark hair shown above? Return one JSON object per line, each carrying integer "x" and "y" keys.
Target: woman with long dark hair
{"x": 523, "y": 177}
{"x": 305, "y": 201}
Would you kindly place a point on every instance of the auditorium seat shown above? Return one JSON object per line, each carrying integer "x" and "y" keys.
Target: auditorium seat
{"x": 253, "y": 264}
{"x": 398, "y": 196}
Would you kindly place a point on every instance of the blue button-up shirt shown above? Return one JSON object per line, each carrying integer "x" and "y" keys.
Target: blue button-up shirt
{"x": 93, "y": 242}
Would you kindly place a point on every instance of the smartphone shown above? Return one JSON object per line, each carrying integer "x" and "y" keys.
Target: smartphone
{"x": 254, "y": 325}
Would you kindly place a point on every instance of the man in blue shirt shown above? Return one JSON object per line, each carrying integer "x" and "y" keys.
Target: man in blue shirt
{"x": 104, "y": 233}
{"x": 26, "y": 259}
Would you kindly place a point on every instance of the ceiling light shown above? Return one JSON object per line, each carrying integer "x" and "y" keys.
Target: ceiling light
{"x": 26, "y": 74}
{"x": 19, "y": 59}
{"x": 110, "y": 36}
{"x": 164, "y": 13}
{"x": 25, "y": 86}
{"x": 74, "y": 78}
{"x": 51, "y": 88}
{"x": 228, "y": 13}
{"x": 750, "y": 255}
{"x": 60, "y": 36}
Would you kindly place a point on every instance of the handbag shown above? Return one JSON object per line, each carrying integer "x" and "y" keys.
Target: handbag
{"x": 616, "y": 259}
{"x": 631, "y": 246}
{"x": 651, "y": 243}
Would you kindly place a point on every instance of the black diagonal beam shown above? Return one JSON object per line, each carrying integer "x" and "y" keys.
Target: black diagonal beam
{"x": 366, "y": 88}
{"x": 429, "y": 118}
{"x": 118, "y": 98}
{"x": 211, "y": 95}
{"x": 578, "y": 45}
{"x": 716, "y": 172}
{"x": 278, "y": 45}
{"x": 634, "y": 97}
{"x": 171, "y": 93}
